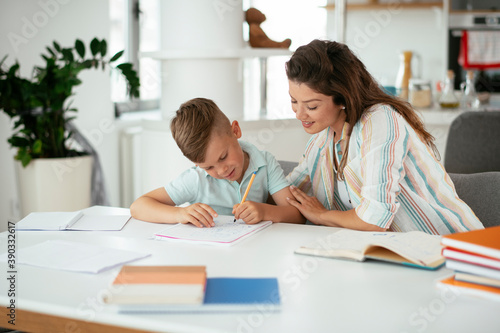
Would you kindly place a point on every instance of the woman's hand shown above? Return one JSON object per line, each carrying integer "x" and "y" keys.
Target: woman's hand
{"x": 309, "y": 206}
{"x": 250, "y": 212}
{"x": 199, "y": 214}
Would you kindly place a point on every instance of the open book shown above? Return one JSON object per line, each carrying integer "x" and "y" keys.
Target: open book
{"x": 225, "y": 231}
{"x": 412, "y": 248}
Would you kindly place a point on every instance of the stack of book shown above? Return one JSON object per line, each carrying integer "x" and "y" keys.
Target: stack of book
{"x": 187, "y": 289}
{"x": 475, "y": 258}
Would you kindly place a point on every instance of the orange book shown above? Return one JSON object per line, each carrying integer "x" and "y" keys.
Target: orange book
{"x": 471, "y": 288}
{"x": 485, "y": 242}
{"x": 158, "y": 285}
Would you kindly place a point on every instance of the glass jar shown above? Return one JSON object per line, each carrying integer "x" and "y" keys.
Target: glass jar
{"x": 448, "y": 100}
{"x": 420, "y": 93}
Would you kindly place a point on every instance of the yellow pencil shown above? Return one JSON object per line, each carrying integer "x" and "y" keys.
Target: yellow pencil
{"x": 247, "y": 190}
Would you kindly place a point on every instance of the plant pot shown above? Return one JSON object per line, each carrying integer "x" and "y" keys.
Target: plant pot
{"x": 55, "y": 184}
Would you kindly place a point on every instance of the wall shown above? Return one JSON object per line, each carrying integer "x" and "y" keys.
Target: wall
{"x": 378, "y": 36}
{"x": 26, "y": 27}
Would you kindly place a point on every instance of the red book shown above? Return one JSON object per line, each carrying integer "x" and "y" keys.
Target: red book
{"x": 484, "y": 242}
{"x": 471, "y": 258}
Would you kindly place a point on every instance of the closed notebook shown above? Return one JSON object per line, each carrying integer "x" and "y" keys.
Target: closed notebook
{"x": 483, "y": 241}
{"x": 226, "y": 294}
{"x": 461, "y": 266}
{"x": 471, "y": 258}
{"x": 158, "y": 285}
{"x": 415, "y": 248}
{"x": 473, "y": 278}
{"x": 472, "y": 289}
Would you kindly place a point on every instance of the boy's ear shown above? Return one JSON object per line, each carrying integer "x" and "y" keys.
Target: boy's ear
{"x": 236, "y": 129}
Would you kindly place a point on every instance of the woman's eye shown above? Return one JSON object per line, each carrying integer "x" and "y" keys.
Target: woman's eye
{"x": 312, "y": 108}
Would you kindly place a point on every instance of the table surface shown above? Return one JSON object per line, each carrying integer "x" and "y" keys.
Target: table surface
{"x": 318, "y": 294}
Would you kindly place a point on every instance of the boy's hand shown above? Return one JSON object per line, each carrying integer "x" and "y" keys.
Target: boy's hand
{"x": 199, "y": 214}
{"x": 249, "y": 211}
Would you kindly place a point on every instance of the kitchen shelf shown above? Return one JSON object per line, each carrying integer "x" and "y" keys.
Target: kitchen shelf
{"x": 371, "y": 5}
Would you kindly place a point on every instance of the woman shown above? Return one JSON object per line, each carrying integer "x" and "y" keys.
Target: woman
{"x": 370, "y": 164}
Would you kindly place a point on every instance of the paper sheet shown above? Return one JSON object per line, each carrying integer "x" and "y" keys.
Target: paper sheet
{"x": 225, "y": 231}
{"x": 74, "y": 256}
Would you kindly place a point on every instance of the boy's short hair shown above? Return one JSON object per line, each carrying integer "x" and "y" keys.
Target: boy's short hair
{"x": 193, "y": 125}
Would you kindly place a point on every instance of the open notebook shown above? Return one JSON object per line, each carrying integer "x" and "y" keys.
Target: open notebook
{"x": 225, "y": 231}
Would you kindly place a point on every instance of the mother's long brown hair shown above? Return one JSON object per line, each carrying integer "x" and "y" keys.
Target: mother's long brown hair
{"x": 331, "y": 69}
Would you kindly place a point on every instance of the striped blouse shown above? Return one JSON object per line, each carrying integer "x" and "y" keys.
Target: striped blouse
{"x": 393, "y": 179}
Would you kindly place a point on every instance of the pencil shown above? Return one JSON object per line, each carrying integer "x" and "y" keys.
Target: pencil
{"x": 247, "y": 190}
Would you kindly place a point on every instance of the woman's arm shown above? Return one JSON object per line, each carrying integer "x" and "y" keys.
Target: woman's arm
{"x": 315, "y": 212}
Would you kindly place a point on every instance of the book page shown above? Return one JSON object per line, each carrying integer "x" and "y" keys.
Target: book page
{"x": 416, "y": 246}
{"x": 225, "y": 231}
{"x": 344, "y": 243}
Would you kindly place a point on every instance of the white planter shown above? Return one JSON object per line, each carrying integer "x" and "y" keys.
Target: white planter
{"x": 55, "y": 184}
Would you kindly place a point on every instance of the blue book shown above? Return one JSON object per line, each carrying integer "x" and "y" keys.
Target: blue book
{"x": 224, "y": 294}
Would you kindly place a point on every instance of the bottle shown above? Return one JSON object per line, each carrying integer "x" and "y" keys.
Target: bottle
{"x": 404, "y": 75}
{"x": 470, "y": 101}
{"x": 448, "y": 99}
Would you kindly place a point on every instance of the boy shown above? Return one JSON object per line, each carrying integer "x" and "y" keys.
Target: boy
{"x": 223, "y": 170}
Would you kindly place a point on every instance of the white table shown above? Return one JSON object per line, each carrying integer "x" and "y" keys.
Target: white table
{"x": 318, "y": 295}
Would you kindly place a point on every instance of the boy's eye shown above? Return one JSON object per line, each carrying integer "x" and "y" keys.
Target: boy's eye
{"x": 293, "y": 102}
{"x": 223, "y": 157}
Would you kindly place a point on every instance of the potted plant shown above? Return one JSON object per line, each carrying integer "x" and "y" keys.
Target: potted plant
{"x": 41, "y": 112}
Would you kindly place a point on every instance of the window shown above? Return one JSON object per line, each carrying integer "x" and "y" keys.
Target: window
{"x": 135, "y": 28}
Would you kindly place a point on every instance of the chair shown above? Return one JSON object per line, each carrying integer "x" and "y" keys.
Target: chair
{"x": 473, "y": 143}
{"x": 480, "y": 191}
{"x": 287, "y": 166}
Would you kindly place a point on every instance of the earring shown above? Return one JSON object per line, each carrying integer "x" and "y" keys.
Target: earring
{"x": 342, "y": 108}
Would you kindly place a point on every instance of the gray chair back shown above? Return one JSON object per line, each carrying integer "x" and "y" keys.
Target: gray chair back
{"x": 287, "y": 166}
{"x": 473, "y": 143}
{"x": 481, "y": 191}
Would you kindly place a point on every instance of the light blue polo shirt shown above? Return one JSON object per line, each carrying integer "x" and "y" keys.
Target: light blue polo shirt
{"x": 196, "y": 185}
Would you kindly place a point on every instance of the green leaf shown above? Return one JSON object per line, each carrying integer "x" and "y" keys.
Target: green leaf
{"x": 95, "y": 46}
{"x": 57, "y": 46}
{"x": 23, "y": 156}
{"x": 17, "y": 141}
{"x": 104, "y": 48}
{"x": 80, "y": 48}
{"x": 37, "y": 146}
{"x": 116, "y": 56}
{"x": 68, "y": 55}
{"x": 50, "y": 51}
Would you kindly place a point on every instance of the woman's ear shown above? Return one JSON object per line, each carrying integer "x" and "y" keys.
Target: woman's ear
{"x": 235, "y": 129}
